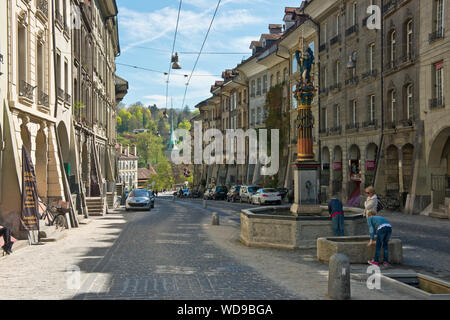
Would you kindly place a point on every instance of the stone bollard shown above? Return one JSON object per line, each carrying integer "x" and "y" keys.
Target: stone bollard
{"x": 215, "y": 219}
{"x": 339, "y": 277}
{"x": 204, "y": 204}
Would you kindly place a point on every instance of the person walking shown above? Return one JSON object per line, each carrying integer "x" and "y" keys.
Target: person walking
{"x": 336, "y": 211}
{"x": 383, "y": 229}
{"x": 5, "y": 232}
{"x": 371, "y": 203}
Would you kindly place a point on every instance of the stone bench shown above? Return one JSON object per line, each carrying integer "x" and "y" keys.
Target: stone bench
{"x": 356, "y": 249}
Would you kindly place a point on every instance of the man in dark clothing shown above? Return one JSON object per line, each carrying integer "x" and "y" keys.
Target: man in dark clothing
{"x": 5, "y": 232}
{"x": 337, "y": 216}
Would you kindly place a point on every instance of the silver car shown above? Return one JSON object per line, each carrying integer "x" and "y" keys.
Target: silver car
{"x": 138, "y": 199}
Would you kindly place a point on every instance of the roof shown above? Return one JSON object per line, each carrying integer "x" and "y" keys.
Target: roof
{"x": 146, "y": 173}
{"x": 271, "y": 36}
{"x": 275, "y": 26}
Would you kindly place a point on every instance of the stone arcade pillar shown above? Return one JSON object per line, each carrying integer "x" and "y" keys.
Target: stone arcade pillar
{"x": 306, "y": 169}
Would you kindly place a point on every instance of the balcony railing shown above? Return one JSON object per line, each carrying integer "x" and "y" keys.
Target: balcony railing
{"x": 26, "y": 90}
{"x": 42, "y": 6}
{"x": 437, "y": 103}
{"x": 323, "y": 131}
{"x": 407, "y": 122}
{"x": 323, "y": 91}
{"x": 336, "y": 130}
{"x": 43, "y": 99}
{"x": 68, "y": 98}
{"x": 436, "y": 35}
{"x": 390, "y": 5}
{"x": 322, "y": 47}
{"x": 353, "y": 29}
{"x": 370, "y": 123}
{"x": 351, "y": 81}
{"x": 370, "y": 73}
{"x": 409, "y": 57}
{"x": 60, "y": 93}
{"x": 335, "y": 86}
{"x": 352, "y": 126}
{"x": 390, "y": 125}
{"x": 335, "y": 40}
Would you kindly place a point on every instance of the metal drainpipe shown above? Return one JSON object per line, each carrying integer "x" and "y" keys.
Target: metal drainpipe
{"x": 382, "y": 96}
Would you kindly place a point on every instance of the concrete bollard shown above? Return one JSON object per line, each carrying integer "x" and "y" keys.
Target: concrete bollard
{"x": 339, "y": 277}
{"x": 204, "y": 204}
{"x": 215, "y": 219}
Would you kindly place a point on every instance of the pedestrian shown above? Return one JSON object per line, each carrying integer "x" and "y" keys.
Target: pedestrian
{"x": 383, "y": 230}
{"x": 335, "y": 208}
{"x": 371, "y": 203}
{"x": 5, "y": 232}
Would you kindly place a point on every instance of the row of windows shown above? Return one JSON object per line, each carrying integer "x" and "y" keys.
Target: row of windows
{"x": 261, "y": 85}
{"x": 127, "y": 164}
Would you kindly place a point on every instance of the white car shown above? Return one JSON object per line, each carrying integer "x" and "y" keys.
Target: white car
{"x": 264, "y": 196}
{"x": 138, "y": 199}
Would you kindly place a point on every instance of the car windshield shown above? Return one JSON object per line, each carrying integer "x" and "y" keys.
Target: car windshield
{"x": 252, "y": 189}
{"x": 139, "y": 193}
{"x": 269, "y": 190}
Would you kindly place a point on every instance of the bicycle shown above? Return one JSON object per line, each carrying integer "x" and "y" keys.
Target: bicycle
{"x": 54, "y": 216}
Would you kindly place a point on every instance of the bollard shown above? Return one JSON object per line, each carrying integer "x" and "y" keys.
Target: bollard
{"x": 215, "y": 219}
{"x": 204, "y": 203}
{"x": 339, "y": 277}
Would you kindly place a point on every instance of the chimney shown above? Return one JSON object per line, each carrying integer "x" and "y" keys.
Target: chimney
{"x": 127, "y": 151}
{"x": 134, "y": 150}
{"x": 275, "y": 28}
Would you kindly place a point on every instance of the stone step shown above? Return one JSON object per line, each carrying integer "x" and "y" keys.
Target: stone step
{"x": 439, "y": 214}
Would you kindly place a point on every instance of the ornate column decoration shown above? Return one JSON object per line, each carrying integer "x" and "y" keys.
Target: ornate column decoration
{"x": 304, "y": 94}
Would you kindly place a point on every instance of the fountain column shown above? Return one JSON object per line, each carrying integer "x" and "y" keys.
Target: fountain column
{"x": 306, "y": 169}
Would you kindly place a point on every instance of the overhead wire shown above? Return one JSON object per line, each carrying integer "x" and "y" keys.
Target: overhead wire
{"x": 200, "y": 53}
{"x": 173, "y": 49}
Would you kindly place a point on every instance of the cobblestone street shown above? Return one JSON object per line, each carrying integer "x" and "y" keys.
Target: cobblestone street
{"x": 171, "y": 252}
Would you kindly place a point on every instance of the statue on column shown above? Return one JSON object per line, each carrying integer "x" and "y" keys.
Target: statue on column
{"x": 305, "y": 90}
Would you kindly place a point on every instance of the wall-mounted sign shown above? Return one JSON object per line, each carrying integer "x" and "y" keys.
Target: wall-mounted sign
{"x": 337, "y": 166}
{"x": 370, "y": 165}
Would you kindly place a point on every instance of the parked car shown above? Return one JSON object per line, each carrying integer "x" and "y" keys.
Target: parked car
{"x": 284, "y": 192}
{"x": 208, "y": 193}
{"x": 138, "y": 199}
{"x": 268, "y": 195}
{"x": 246, "y": 193}
{"x": 219, "y": 193}
{"x": 233, "y": 194}
{"x": 152, "y": 196}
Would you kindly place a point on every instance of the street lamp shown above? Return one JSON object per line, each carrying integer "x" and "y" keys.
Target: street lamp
{"x": 175, "y": 64}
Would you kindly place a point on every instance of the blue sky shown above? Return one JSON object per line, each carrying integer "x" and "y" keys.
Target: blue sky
{"x": 146, "y": 30}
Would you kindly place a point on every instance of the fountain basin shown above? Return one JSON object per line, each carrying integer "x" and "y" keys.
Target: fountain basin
{"x": 276, "y": 227}
{"x": 356, "y": 249}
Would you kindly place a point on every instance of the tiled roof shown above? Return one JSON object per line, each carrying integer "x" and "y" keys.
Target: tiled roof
{"x": 145, "y": 173}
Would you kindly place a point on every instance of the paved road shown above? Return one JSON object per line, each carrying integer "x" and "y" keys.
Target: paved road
{"x": 166, "y": 254}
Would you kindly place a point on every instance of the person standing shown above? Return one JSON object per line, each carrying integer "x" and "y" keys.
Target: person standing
{"x": 371, "y": 203}
{"x": 336, "y": 211}
{"x": 383, "y": 229}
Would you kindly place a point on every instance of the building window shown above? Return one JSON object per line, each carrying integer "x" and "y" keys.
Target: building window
{"x": 409, "y": 102}
{"x": 439, "y": 82}
{"x": 264, "y": 84}
{"x": 439, "y": 18}
{"x": 336, "y": 72}
{"x": 337, "y": 24}
{"x": 285, "y": 75}
{"x": 371, "y": 110}
{"x": 258, "y": 87}
{"x": 253, "y": 89}
{"x": 354, "y": 14}
{"x": 23, "y": 52}
{"x": 278, "y": 77}
{"x": 337, "y": 116}
{"x": 371, "y": 56}
{"x": 409, "y": 38}
{"x": 392, "y": 48}
{"x": 294, "y": 64}
{"x": 271, "y": 80}
{"x": 393, "y": 106}
{"x": 353, "y": 106}
{"x": 325, "y": 77}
